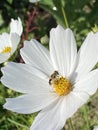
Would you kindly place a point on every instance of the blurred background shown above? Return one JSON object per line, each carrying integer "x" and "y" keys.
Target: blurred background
{"x": 38, "y": 19}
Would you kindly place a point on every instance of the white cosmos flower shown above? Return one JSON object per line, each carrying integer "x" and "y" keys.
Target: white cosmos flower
{"x": 57, "y": 98}
{"x": 95, "y": 128}
{"x": 9, "y": 42}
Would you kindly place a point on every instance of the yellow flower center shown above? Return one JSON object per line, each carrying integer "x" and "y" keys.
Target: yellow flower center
{"x": 7, "y": 50}
{"x": 62, "y": 86}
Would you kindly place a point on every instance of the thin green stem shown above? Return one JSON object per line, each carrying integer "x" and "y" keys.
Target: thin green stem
{"x": 86, "y": 117}
{"x": 18, "y": 124}
{"x": 65, "y": 18}
{"x": 71, "y": 125}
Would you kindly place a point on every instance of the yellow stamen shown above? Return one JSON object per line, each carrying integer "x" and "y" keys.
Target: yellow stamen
{"x": 6, "y": 50}
{"x": 62, "y": 86}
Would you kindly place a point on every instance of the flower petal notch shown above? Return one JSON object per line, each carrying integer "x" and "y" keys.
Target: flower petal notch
{"x": 52, "y": 82}
{"x": 10, "y": 41}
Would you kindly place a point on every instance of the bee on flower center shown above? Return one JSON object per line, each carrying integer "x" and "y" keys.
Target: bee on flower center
{"x": 53, "y": 77}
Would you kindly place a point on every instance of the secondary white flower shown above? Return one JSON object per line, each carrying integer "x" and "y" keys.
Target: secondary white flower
{"x": 9, "y": 42}
{"x": 95, "y": 128}
{"x": 56, "y": 82}
{"x": 34, "y": 1}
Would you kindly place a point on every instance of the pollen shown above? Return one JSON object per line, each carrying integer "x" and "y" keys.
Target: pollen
{"x": 62, "y": 86}
{"x": 7, "y": 50}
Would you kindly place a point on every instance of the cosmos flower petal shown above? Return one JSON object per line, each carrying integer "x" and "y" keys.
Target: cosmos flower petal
{"x": 37, "y": 55}
{"x": 95, "y": 128}
{"x": 29, "y": 79}
{"x": 51, "y": 117}
{"x": 15, "y": 39}
{"x": 4, "y": 41}
{"x": 87, "y": 56}
{"x": 4, "y": 57}
{"x": 54, "y": 117}
{"x": 88, "y": 84}
{"x": 30, "y": 103}
{"x": 16, "y": 26}
{"x": 63, "y": 50}
{"x": 72, "y": 102}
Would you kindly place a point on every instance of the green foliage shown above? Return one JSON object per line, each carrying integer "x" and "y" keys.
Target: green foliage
{"x": 81, "y": 15}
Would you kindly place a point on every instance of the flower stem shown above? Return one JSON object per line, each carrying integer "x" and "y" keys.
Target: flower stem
{"x": 70, "y": 124}
{"x": 86, "y": 117}
{"x": 17, "y": 124}
{"x": 65, "y": 18}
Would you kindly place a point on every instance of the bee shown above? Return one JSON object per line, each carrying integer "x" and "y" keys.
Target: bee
{"x": 53, "y": 77}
